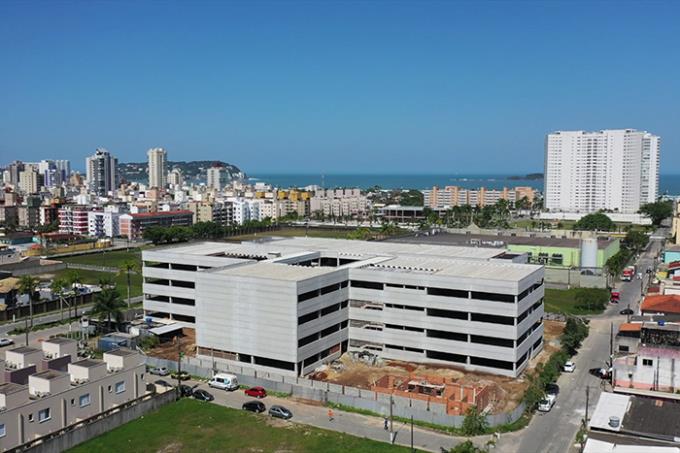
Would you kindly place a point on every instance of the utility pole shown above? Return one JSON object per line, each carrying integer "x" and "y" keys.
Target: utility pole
{"x": 587, "y": 402}
{"x": 413, "y": 450}
{"x": 391, "y": 420}
{"x": 26, "y": 329}
{"x": 179, "y": 365}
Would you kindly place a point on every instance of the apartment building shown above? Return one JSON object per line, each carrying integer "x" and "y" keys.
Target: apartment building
{"x": 339, "y": 202}
{"x": 616, "y": 170}
{"x": 103, "y": 224}
{"x": 218, "y": 212}
{"x": 52, "y": 399}
{"x": 102, "y": 175}
{"x": 133, "y": 225}
{"x": 157, "y": 167}
{"x": 73, "y": 219}
{"x": 451, "y": 196}
{"x": 290, "y": 305}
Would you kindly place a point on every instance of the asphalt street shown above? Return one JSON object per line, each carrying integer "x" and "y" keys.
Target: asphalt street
{"x": 555, "y": 431}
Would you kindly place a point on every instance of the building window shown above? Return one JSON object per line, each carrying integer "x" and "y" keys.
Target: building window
{"x": 30, "y": 417}
{"x": 120, "y": 387}
{"x": 73, "y": 401}
{"x": 85, "y": 400}
{"x": 647, "y": 362}
{"x": 44, "y": 415}
{"x": 2, "y": 430}
{"x": 110, "y": 389}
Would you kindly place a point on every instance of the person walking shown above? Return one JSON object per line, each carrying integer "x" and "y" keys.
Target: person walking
{"x": 386, "y": 423}
{"x": 330, "y": 415}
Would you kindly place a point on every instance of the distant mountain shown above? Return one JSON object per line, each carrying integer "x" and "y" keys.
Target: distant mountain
{"x": 529, "y": 177}
{"x": 193, "y": 171}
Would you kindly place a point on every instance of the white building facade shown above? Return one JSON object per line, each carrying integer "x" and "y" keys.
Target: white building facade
{"x": 615, "y": 170}
{"x": 157, "y": 167}
{"x": 292, "y": 304}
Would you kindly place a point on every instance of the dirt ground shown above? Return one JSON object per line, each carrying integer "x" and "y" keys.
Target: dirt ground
{"x": 362, "y": 375}
{"x": 168, "y": 349}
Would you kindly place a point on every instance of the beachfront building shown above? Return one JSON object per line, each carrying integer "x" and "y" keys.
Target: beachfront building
{"x": 157, "y": 167}
{"x": 289, "y": 305}
{"x": 450, "y": 196}
{"x": 615, "y": 170}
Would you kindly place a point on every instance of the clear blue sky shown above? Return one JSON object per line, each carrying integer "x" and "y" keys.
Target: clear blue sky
{"x": 376, "y": 86}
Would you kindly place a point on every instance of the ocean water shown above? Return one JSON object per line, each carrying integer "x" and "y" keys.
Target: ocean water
{"x": 668, "y": 184}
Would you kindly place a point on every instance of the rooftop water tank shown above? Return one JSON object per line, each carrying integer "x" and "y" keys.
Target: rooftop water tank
{"x": 589, "y": 252}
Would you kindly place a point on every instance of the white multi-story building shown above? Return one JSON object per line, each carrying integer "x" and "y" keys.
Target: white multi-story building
{"x": 615, "y": 170}
{"x": 217, "y": 178}
{"x": 102, "y": 175}
{"x": 103, "y": 224}
{"x": 292, "y": 304}
{"x": 29, "y": 181}
{"x": 157, "y": 167}
{"x": 175, "y": 178}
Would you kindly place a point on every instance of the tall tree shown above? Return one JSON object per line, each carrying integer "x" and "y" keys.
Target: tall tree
{"x": 29, "y": 285}
{"x": 74, "y": 281}
{"x": 658, "y": 211}
{"x": 128, "y": 268}
{"x": 58, "y": 286}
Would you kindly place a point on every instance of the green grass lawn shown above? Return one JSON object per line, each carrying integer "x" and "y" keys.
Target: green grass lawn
{"x": 115, "y": 258}
{"x": 192, "y": 426}
{"x": 564, "y": 301}
{"x": 92, "y": 278}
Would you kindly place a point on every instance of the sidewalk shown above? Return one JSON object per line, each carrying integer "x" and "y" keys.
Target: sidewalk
{"x": 347, "y": 422}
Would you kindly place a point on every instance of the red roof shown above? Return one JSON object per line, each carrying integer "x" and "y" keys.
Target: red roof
{"x": 161, "y": 214}
{"x": 663, "y": 303}
{"x": 630, "y": 327}
{"x": 674, "y": 265}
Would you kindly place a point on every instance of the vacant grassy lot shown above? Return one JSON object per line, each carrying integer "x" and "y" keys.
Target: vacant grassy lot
{"x": 193, "y": 426}
{"x": 566, "y": 301}
{"x": 92, "y": 278}
{"x": 109, "y": 259}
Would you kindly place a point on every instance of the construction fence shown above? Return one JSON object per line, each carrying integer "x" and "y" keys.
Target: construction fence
{"x": 327, "y": 392}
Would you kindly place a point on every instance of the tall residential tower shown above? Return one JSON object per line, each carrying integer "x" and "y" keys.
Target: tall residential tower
{"x": 157, "y": 167}
{"x": 616, "y": 170}
{"x": 102, "y": 175}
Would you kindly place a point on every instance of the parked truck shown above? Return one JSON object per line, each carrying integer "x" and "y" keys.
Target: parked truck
{"x": 628, "y": 273}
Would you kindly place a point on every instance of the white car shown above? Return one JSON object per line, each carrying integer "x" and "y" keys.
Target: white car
{"x": 6, "y": 341}
{"x": 160, "y": 371}
{"x": 569, "y": 367}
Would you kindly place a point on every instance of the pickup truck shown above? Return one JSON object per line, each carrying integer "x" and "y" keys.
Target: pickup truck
{"x": 547, "y": 402}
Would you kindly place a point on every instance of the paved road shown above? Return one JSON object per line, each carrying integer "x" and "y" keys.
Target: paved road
{"x": 346, "y": 422}
{"x": 555, "y": 431}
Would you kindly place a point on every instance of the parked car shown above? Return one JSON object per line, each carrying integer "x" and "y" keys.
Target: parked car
{"x": 185, "y": 390}
{"x": 159, "y": 371}
{"x": 569, "y": 367}
{"x": 162, "y": 383}
{"x": 280, "y": 412}
{"x": 256, "y": 392}
{"x": 547, "y": 403}
{"x": 183, "y": 376}
{"x": 6, "y": 341}
{"x": 627, "y": 311}
{"x": 203, "y": 395}
{"x": 224, "y": 381}
{"x": 254, "y": 406}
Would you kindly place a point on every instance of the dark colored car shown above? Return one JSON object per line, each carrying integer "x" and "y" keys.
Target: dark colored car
{"x": 254, "y": 406}
{"x": 256, "y": 392}
{"x": 163, "y": 383}
{"x": 552, "y": 389}
{"x": 627, "y": 311}
{"x": 202, "y": 395}
{"x": 185, "y": 390}
{"x": 280, "y": 412}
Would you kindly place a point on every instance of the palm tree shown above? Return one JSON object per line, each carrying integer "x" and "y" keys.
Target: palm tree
{"x": 74, "y": 281}
{"x": 127, "y": 268}
{"x": 107, "y": 305}
{"x": 29, "y": 285}
{"x": 57, "y": 286}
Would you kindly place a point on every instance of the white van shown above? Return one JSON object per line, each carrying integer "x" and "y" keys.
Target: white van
{"x": 224, "y": 381}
